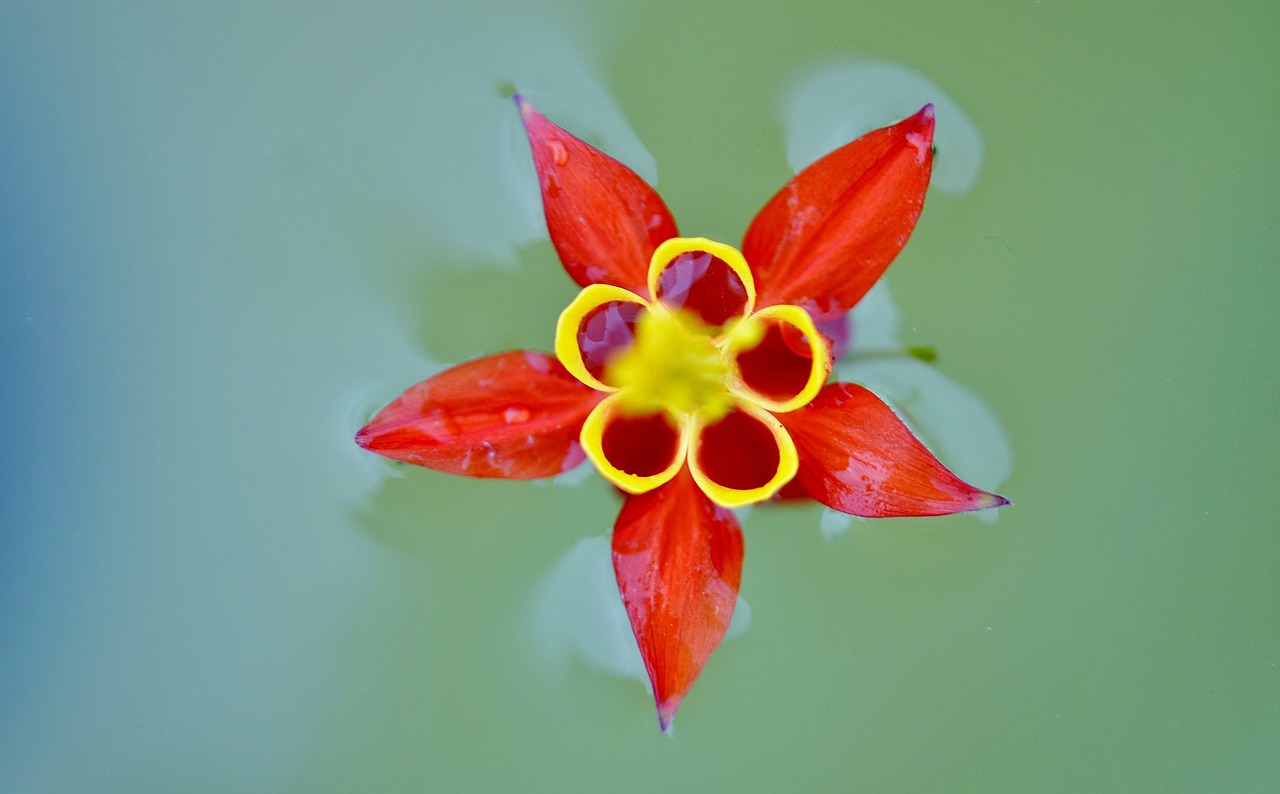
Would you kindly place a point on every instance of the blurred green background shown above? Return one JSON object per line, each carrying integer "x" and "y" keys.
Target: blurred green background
{"x": 229, "y": 232}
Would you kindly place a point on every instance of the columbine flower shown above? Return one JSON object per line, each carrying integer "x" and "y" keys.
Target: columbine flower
{"x": 693, "y": 376}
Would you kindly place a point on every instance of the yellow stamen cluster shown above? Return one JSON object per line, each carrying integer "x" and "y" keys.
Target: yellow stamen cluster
{"x": 679, "y": 364}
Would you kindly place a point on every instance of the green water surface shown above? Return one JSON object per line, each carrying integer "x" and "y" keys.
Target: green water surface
{"x": 229, "y": 232}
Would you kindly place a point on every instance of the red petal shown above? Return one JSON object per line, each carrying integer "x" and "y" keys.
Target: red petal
{"x": 826, "y": 237}
{"x": 514, "y": 415}
{"x": 678, "y": 559}
{"x": 857, "y": 456}
{"x": 604, "y": 219}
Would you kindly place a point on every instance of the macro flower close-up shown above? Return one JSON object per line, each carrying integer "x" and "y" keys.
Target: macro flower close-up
{"x": 695, "y": 377}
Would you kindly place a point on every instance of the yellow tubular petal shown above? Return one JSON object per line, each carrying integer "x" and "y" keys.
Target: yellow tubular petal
{"x": 592, "y": 439}
{"x": 731, "y": 256}
{"x": 567, "y": 349}
{"x": 788, "y": 463}
{"x": 799, "y": 319}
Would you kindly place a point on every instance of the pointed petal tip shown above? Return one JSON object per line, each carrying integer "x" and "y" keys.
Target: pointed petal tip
{"x": 924, "y": 123}
{"x": 667, "y": 715}
{"x": 364, "y": 436}
{"x": 918, "y": 132}
{"x": 927, "y": 119}
{"x": 991, "y": 501}
{"x": 677, "y": 559}
{"x": 526, "y": 108}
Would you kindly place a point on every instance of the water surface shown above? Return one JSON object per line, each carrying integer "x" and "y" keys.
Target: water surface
{"x": 228, "y": 235}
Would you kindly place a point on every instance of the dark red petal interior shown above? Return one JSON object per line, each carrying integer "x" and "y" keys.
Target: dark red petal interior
{"x": 606, "y": 330}
{"x": 640, "y": 445}
{"x": 738, "y": 452}
{"x": 778, "y": 367}
{"x": 705, "y": 285}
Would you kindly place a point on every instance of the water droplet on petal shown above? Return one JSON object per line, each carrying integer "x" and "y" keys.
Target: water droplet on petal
{"x": 921, "y": 143}
{"x": 558, "y": 151}
{"x": 514, "y": 414}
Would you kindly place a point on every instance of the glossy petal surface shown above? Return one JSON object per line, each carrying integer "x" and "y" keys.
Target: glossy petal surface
{"x": 826, "y": 237}
{"x": 593, "y": 329}
{"x": 952, "y": 421}
{"x": 604, "y": 220}
{"x": 702, "y": 276}
{"x": 857, "y": 456}
{"x": 678, "y": 560}
{"x": 514, "y": 415}
{"x": 606, "y": 332}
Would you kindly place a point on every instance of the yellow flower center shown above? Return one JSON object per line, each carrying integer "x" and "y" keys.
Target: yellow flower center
{"x": 678, "y": 364}
{"x": 694, "y": 375}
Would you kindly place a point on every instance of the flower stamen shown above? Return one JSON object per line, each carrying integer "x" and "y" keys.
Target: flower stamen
{"x": 675, "y": 365}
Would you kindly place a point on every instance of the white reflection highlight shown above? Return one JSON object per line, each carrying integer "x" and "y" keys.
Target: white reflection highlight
{"x": 837, "y": 102}
{"x": 578, "y": 615}
{"x": 834, "y": 522}
{"x": 953, "y": 422}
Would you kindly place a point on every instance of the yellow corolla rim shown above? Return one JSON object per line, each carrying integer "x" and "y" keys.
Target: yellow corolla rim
{"x": 799, "y": 319}
{"x": 689, "y": 429}
{"x": 568, "y": 351}
{"x": 592, "y": 440}
{"x": 670, "y": 249}
{"x": 788, "y": 463}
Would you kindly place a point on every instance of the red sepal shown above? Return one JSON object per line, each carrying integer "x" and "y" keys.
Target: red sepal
{"x": 513, "y": 415}
{"x": 826, "y": 237}
{"x": 604, "y": 220}
{"x": 678, "y": 560}
{"x": 857, "y": 456}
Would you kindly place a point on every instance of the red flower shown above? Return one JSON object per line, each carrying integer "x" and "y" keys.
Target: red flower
{"x": 694, "y": 377}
